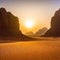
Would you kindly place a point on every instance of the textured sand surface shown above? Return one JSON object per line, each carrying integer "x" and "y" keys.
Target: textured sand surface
{"x": 31, "y": 50}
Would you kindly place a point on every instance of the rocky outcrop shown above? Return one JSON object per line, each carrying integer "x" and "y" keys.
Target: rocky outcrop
{"x": 42, "y": 31}
{"x": 9, "y": 25}
{"x": 54, "y": 31}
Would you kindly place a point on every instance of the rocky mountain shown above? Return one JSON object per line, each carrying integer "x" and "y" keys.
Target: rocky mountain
{"x": 9, "y": 26}
{"x": 29, "y": 33}
{"x": 41, "y": 31}
{"x": 54, "y": 31}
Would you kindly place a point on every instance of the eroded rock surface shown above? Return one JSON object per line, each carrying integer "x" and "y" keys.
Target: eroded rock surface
{"x": 9, "y": 26}
{"x": 54, "y": 31}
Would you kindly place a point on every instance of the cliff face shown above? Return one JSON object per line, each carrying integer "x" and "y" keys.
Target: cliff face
{"x": 9, "y": 24}
{"x": 9, "y": 27}
{"x": 54, "y": 31}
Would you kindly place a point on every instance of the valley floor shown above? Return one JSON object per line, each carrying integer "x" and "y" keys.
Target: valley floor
{"x": 31, "y": 50}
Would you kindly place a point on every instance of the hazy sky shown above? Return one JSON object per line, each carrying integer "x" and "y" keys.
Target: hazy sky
{"x": 39, "y": 10}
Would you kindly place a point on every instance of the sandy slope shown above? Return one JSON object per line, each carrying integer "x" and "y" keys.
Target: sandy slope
{"x": 31, "y": 50}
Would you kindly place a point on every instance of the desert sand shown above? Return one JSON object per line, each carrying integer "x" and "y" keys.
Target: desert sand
{"x": 31, "y": 50}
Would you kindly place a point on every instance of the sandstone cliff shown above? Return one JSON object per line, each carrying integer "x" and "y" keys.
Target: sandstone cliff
{"x": 9, "y": 26}
{"x": 54, "y": 31}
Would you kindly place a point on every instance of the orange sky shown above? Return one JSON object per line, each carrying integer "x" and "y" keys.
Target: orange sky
{"x": 40, "y": 11}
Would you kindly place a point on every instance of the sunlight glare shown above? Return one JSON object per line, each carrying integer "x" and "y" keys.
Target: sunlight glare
{"x": 29, "y": 23}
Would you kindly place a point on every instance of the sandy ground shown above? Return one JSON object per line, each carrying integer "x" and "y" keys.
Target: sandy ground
{"x": 30, "y": 50}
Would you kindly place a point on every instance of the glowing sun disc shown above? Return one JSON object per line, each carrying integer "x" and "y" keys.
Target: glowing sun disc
{"x": 29, "y": 23}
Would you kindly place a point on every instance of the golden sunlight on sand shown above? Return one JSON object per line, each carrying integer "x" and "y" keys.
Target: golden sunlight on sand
{"x": 33, "y": 50}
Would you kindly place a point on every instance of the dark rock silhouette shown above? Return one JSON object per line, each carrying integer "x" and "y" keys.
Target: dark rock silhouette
{"x": 54, "y": 31}
{"x": 9, "y": 25}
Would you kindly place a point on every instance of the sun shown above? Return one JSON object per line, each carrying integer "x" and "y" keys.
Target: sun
{"x": 29, "y": 23}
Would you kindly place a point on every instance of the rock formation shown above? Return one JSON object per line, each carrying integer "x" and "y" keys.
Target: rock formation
{"x": 9, "y": 25}
{"x": 54, "y": 31}
{"x": 42, "y": 31}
